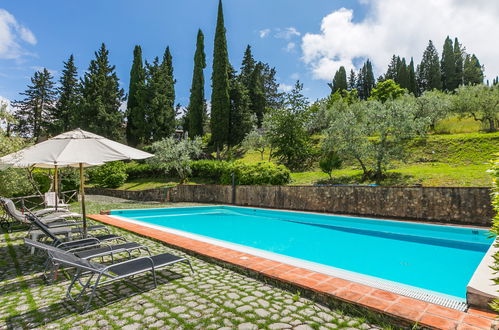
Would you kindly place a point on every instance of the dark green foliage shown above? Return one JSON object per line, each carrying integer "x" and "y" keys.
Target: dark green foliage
{"x": 42, "y": 180}
{"x": 136, "y": 170}
{"x": 156, "y": 97}
{"x": 459, "y": 57}
{"x": 247, "y": 67}
{"x": 391, "y": 72}
{"x": 109, "y": 175}
{"x": 287, "y": 132}
{"x": 329, "y": 162}
{"x": 402, "y": 74}
{"x": 256, "y": 93}
{"x": 428, "y": 72}
{"x": 339, "y": 81}
{"x": 33, "y": 112}
{"x": 365, "y": 80}
{"x": 197, "y": 104}
{"x": 472, "y": 71}
{"x": 101, "y": 98}
{"x": 352, "y": 80}
{"x": 65, "y": 113}
{"x": 411, "y": 73}
{"x": 273, "y": 98}
{"x": 448, "y": 67}
{"x": 220, "y": 101}
{"x": 240, "y": 117}
{"x": 136, "y": 127}
{"x": 261, "y": 173}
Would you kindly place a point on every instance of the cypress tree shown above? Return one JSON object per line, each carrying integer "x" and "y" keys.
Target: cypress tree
{"x": 428, "y": 72}
{"x": 168, "y": 124}
{"x": 102, "y": 97}
{"x": 247, "y": 67}
{"x": 412, "y": 78}
{"x": 339, "y": 81}
{"x": 239, "y": 117}
{"x": 448, "y": 66}
{"x": 136, "y": 119}
{"x": 220, "y": 101}
{"x": 365, "y": 80}
{"x": 472, "y": 71}
{"x": 256, "y": 93}
{"x": 352, "y": 80}
{"x": 459, "y": 57}
{"x": 65, "y": 112}
{"x": 402, "y": 74}
{"x": 33, "y": 112}
{"x": 197, "y": 102}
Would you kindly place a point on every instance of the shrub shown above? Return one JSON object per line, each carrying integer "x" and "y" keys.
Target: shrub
{"x": 209, "y": 169}
{"x": 330, "y": 162}
{"x": 140, "y": 170}
{"x": 246, "y": 174}
{"x": 109, "y": 175}
{"x": 42, "y": 180}
{"x": 495, "y": 221}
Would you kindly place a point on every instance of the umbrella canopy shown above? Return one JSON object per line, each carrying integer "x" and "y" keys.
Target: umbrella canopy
{"x": 72, "y": 149}
{"x": 76, "y": 148}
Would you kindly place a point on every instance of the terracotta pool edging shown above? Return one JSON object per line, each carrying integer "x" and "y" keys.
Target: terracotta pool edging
{"x": 323, "y": 288}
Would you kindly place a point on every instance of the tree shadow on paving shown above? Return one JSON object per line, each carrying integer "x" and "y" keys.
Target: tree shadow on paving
{"x": 105, "y": 295}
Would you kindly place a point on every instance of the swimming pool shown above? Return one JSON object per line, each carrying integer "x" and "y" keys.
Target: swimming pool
{"x": 417, "y": 258}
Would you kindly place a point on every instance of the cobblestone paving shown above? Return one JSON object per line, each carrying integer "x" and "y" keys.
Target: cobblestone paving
{"x": 212, "y": 298}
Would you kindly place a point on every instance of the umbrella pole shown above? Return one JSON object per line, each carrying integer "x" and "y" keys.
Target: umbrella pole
{"x": 82, "y": 192}
{"x": 56, "y": 188}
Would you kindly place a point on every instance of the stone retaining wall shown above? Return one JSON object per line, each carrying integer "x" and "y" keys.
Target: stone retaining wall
{"x": 443, "y": 204}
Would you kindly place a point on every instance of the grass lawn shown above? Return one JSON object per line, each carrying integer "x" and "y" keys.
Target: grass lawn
{"x": 431, "y": 174}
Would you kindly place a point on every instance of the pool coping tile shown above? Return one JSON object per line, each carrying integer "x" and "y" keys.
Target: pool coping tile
{"x": 401, "y": 308}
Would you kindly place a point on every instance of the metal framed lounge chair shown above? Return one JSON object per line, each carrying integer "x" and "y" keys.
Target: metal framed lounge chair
{"x": 85, "y": 242}
{"x": 56, "y": 219}
{"x": 94, "y": 252}
{"x": 108, "y": 273}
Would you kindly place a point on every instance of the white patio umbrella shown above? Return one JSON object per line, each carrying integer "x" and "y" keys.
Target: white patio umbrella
{"x": 76, "y": 148}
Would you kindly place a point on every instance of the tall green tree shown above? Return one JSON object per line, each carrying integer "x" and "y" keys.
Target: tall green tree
{"x": 256, "y": 93}
{"x": 402, "y": 74}
{"x": 220, "y": 100}
{"x": 448, "y": 66}
{"x": 247, "y": 67}
{"x": 136, "y": 127}
{"x": 65, "y": 113}
{"x": 472, "y": 71}
{"x": 428, "y": 72}
{"x": 197, "y": 102}
{"x": 274, "y": 99}
{"x": 411, "y": 73}
{"x": 365, "y": 80}
{"x": 101, "y": 98}
{"x": 352, "y": 80}
{"x": 33, "y": 112}
{"x": 339, "y": 81}
{"x": 391, "y": 72}
{"x": 240, "y": 116}
{"x": 459, "y": 57}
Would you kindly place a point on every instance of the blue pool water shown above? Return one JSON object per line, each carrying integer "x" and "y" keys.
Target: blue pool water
{"x": 431, "y": 257}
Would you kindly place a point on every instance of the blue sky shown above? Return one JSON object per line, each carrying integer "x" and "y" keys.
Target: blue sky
{"x": 305, "y": 40}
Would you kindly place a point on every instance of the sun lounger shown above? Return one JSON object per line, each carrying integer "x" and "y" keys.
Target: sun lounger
{"x": 109, "y": 273}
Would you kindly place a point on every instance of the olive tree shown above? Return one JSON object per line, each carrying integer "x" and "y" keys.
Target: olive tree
{"x": 432, "y": 106}
{"x": 373, "y": 133}
{"x": 172, "y": 154}
{"x": 480, "y": 102}
{"x": 257, "y": 140}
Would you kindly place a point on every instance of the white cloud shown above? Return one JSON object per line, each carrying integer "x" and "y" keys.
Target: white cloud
{"x": 4, "y": 100}
{"x": 12, "y": 35}
{"x": 295, "y": 76}
{"x": 285, "y": 88}
{"x": 264, "y": 33}
{"x": 290, "y": 47}
{"x": 286, "y": 33}
{"x": 402, "y": 27}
